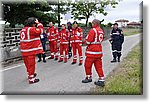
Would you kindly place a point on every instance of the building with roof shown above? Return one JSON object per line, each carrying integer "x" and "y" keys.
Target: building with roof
{"x": 134, "y": 25}
{"x": 122, "y": 22}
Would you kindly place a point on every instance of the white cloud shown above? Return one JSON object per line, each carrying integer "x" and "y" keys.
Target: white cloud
{"x": 126, "y": 9}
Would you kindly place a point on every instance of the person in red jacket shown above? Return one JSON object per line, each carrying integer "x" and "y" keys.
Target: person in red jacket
{"x": 42, "y": 36}
{"x": 30, "y": 45}
{"x": 94, "y": 53}
{"x": 76, "y": 43}
{"x": 52, "y": 34}
{"x": 63, "y": 36}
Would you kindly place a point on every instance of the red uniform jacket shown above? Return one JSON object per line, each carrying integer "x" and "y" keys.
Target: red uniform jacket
{"x": 40, "y": 25}
{"x": 56, "y": 33}
{"x": 93, "y": 41}
{"x": 77, "y": 35}
{"x": 30, "y": 43}
{"x": 63, "y": 36}
{"x": 52, "y": 33}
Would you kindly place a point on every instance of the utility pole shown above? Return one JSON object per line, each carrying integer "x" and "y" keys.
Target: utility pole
{"x": 58, "y": 14}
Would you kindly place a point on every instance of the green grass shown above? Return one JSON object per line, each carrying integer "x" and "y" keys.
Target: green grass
{"x": 126, "y": 78}
{"x": 131, "y": 31}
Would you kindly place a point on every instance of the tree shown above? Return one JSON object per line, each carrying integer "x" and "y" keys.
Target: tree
{"x": 83, "y": 9}
{"x": 17, "y": 12}
{"x": 109, "y": 24}
{"x": 60, "y": 7}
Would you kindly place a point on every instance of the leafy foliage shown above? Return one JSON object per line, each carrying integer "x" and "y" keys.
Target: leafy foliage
{"x": 83, "y": 9}
{"x": 16, "y": 13}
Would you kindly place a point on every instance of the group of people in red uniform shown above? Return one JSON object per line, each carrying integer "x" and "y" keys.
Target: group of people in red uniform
{"x": 65, "y": 37}
{"x": 31, "y": 46}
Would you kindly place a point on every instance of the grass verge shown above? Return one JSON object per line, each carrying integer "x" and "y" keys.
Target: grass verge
{"x": 126, "y": 79}
{"x": 131, "y": 31}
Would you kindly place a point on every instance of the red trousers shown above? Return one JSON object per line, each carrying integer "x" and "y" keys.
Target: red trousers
{"x": 29, "y": 62}
{"x": 98, "y": 66}
{"x": 53, "y": 49}
{"x": 75, "y": 47}
{"x": 64, "y": 48}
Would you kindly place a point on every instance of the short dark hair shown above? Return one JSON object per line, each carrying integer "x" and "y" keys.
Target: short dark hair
{"x": 69, "y": 23}
{"x": 115, "y": 24}
{"x": 75, "y": 22}
{"x": 64, "y": 24}
{"x": 31, "y": 21}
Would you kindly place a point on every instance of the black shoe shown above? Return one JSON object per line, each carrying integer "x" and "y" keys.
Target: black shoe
{"x": 87, "y": 80}
{"x": 60, "y": 60}
{"x": 65, "y": 61}
{"x": 44, "y": 61}
{"x": 80, "y": 64}
{"x": 51, "y": 58}
{"x": 118, "y": 59}
{"x": 56, "y": 59}
{"x": 113, "y": 61}
{"x": 35, "y": 74}
{"x": 100, "y": 83}
{"x": 73, "y": 63}
{"x": 35, "y": 81}
{"x": 39, "y": 60}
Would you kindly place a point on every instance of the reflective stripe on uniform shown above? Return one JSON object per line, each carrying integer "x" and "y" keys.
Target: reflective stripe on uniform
{"x": 64, "y": 42}
{"x": 67, "y": 56}
{"x": 42, "y": 31}
{"x": 30, "y": 40}
{"x": 101, "y": 80}
{"x": 32, "y": 79}
{"x": 39, "y": 24}
{"x": 77, "y": 41}
{"x": 28, "y": 33}
{"x": 31, "y": 76}
{"x": 81, "y": 57}
{"x": 91, "y": 52}
{"x": 52, "y": 39}
{"x": 52, "y": 53}
{"x": 93, "y": 42}
{"x": 33, "y": 49}
{"x": 75, "y": 57}
{"x": 95, "y": 35}
{"x": 116, "y": 51}
{"x": 115, "y": 33}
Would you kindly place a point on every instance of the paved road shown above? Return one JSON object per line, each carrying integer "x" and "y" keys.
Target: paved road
{"x": 61, "y": 78}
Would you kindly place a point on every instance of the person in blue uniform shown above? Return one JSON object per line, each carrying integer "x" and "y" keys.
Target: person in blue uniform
{"x": 116, "y": 40}
{"x": 69, "y": 27}
{"x": 43, "y": 38}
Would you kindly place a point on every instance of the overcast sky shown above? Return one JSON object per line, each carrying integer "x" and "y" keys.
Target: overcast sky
{"x": 126, "y": 9}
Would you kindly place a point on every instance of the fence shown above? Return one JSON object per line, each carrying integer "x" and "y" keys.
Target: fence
{"x": 10, "y": 39}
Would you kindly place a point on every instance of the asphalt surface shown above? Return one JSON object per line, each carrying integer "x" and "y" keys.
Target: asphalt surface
{"x": 60, "y": 78}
